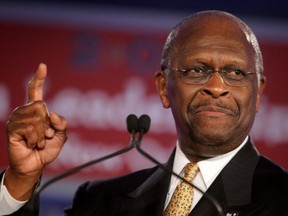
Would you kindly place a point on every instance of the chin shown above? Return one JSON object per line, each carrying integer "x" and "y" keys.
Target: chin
{"x": 209, "y": 151}
{"x": 202, "y": 152}
{"x": 213, "y": 139}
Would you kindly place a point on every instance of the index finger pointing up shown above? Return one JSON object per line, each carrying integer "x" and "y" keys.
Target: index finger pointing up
{"x": 35, "y": 86}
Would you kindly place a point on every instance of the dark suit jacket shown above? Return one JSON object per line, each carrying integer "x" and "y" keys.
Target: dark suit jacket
{"x": 248, "y": 185}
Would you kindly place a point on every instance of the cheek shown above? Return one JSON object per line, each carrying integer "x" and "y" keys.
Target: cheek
{"x": 181, "y": 96}
{"x": 246, "y": 103}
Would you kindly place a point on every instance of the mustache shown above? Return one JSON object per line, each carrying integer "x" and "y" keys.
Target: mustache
{"x": 219, "y": 104}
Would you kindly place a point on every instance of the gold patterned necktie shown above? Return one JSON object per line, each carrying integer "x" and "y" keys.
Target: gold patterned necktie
{"x": 181, "y": 201}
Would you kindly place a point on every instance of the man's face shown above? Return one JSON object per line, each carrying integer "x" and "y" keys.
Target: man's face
{"x": 212, "y": 118}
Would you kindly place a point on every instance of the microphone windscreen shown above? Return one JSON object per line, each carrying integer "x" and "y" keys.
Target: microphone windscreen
{"x": 144, "y": 123}
{"x": 132, "y": 123}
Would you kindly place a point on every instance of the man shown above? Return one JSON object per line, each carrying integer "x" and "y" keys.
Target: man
{"x": 212, "y": 78}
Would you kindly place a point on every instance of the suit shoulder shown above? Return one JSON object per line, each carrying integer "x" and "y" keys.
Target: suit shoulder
{"x": 271, "y": 176}
{"x": 118, "y": 184}
{"x": 101, "y": 192}
{"x": 267, "y": 166}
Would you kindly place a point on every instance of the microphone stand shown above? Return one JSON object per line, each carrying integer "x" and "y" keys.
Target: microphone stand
{"x": 30, "y": 206}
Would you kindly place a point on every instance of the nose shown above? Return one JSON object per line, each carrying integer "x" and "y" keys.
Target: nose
{"x": 215, "y": 87}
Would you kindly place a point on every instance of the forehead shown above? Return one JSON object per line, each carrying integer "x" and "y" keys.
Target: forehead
{"x": 210, "y": 33}
{"x": 214, "y": 48}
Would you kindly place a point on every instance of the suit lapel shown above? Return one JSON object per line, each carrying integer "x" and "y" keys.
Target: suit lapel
{"x": 233, "y": 186}
{"x": 149, "y": 197}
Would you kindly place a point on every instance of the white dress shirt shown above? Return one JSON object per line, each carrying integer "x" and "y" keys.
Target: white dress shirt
{"x": 8, "y": 204}
{"x": 209, "y": 170}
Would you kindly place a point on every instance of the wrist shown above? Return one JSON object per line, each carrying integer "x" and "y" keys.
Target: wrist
{"x": 20, "y": 186}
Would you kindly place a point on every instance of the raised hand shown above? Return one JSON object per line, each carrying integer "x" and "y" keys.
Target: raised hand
{"x": 35, "y": 138}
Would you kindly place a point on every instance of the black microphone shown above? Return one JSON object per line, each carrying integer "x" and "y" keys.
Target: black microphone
{"x": 132, "y": 127}
{"x": 144, "y": 123}
{"x": 31, "y": 207}
{"x": 132, "y": 123}
{"x": 143, "y": 127}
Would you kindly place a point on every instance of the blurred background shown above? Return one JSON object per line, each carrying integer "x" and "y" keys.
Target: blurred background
{"x": 101, "y": 58}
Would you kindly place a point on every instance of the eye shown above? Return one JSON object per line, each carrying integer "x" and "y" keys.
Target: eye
{"x": 239, "y": 72}
{"x": 195, "y": 72}
{"x": 234, "y": 72}
{"x": 198, "y": 70}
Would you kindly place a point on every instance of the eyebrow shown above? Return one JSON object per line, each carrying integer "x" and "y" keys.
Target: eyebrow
{"x": 207, "y": 61}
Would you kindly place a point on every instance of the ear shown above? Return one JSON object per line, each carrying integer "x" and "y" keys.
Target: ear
{"x": 161, "y": 85}
{"x": 260, "y": 90}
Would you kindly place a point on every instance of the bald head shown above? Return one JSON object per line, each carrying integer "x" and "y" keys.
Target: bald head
{"x": 202, "y": 25}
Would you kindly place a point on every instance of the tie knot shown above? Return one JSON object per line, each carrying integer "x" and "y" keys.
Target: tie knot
{"x": 190, "y": 171}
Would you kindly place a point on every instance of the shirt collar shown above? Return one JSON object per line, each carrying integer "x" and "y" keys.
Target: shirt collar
{"x": 209, "y": 168}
